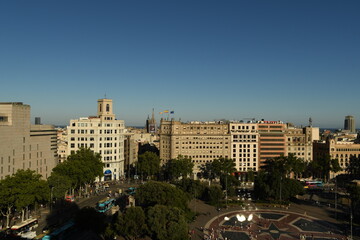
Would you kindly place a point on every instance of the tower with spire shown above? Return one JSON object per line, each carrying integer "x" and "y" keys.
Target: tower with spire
{"x": 151, "y": 123}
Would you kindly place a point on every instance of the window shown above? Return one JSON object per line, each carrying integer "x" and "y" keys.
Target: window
{"x": 107, "y": 107}
{"x": 3, "y": 119}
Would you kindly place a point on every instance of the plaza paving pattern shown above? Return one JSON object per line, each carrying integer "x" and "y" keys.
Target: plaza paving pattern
{"x": 269, "y": 224}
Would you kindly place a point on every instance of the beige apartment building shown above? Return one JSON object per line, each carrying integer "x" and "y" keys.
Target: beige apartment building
{"x": 23, "y": 145}
{"x": 299, "y": 141}
{"x": 103, "y": 134}
{"x": 62, "y": 144}
{"x": 248, "y": 144}
{"x": 131, "y": 149}
{"x": 341, "y": 150}
{"x": 201, "y": 141}
{"x": 245, "y": 146}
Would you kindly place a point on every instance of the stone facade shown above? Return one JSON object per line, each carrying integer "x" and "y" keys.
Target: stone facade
{"x": 341, "y": 150}
{"x": 102, "y": 134}
{"x": 245, "y": 146}
{"x": 201, "y": 141}
{"x": 299, "y": 141}
{"x": 25, "y": 146}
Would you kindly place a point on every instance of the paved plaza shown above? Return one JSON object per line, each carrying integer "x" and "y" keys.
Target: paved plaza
{"x": 269, "y": 224}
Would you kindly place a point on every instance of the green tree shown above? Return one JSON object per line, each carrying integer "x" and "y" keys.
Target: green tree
{"x": 250, "y": 176}
{"x": 354, "y": 167}
{"x": 354, "y": 192}
{"x": 148, "y": 164}
{"x": 182, "y": 166}
{"x": 218, "y": 168}
{"x": 223, "y": 166}
{"x": 132, "y": 224}
{"x": 262, "y": 189}
{"x": 59, "y": 185}
{"x": 273, "y": 181}
{"x": 194, "y": 188}
{"x": 21, "y": 191}
{"x": 30, "y": 189}
{"x": 327, "y": 165}
{"x": 153, "y": 193}
{"x": 213, "y": 195}
{"x": 82, "y": 167}
{"x": 7, "y": 197}
{"x": 166, "y": 222}
{"x": 285, "y": 165}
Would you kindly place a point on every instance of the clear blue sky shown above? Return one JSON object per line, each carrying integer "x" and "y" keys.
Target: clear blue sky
{"x": 277, "y": 60}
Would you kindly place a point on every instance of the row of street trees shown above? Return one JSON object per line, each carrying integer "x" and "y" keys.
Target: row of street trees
{"x": 24, "y": 190}
{"x": 277, "y": 178}
{"x": 80, "y": 170}
{"x": 20, "y": 192}
{"x": 148, "y": 166}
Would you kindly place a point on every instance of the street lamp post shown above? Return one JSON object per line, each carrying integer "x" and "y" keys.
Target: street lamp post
{"x": 226, "y": 194}
{"x": 335, "y": 198}
{"x": 51, "y": 197}
{"x": 280, "y": 188}
{"x": 351, "y": 220}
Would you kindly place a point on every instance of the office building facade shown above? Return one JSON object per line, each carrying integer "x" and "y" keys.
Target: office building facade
{"x": 299, "y": 141}
{"x": 201, "y": 141}
{"x": 272, "y": 140}
{"x": 349, "y": 124}
{"x": 23, "y": 145}
{"x": 245, "y": 146}
{"x": 103, "y": 134}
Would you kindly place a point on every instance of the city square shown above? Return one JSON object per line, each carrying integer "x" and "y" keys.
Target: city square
{"x": 269, "y": 224}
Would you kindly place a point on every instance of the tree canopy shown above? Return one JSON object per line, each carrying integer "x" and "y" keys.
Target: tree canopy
{"x": 153, "y": 193}
{"x": 273, "y": 181}
{"x": 21, "y": 190}
{"x": 59, "y": 185}
{"x": 285, "y": 166}
{"x": 81, "y": 168}
{"x": 217, "y": 168}
{"x": 131, "y": 224}
{"x": 166, "y": 222}
{"x": 182, "y": 166}
{"x": 148, "y": 164}
{"x": 324, "y": 165}
{"x": 354, "y": 167}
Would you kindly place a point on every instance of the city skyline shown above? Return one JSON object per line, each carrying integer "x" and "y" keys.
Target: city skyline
{"x": 205, "y": 60}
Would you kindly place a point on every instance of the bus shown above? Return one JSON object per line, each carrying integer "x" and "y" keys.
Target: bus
{"x": 25, "y": 229}
{"x": 105, "y": 205}
{"x": 131, "y": 190}
{"x": 313, "y": 184}
{"x": 58, "y": 233}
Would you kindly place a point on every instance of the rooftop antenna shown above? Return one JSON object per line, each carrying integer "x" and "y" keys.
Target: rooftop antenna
{"x": 105, "y": 95}
{"x": 310, "y": 122}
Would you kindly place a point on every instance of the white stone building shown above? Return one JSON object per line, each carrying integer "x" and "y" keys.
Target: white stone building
{"x": 245, "y": 146}
{"x": 103, "y": 134}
